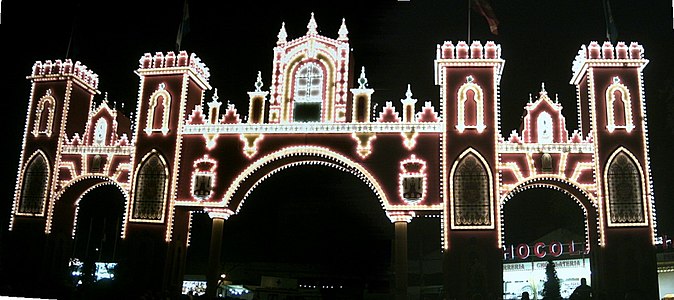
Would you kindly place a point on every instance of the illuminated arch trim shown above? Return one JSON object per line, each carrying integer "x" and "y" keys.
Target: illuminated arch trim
{"x": 485, "y": 165}
{"x": 644, "y": 195}
{"x": 537, "y": 183}
{"x": 129, "y": 210}
{"x": 50, "y": 102}
{"x": 627, "y": 104}
{"x": 479, "y": 100}
{"x": 77, "y": 203}
{"x": 338, "y": 161}
{"x": 160, "y": 92}
{"x": 19, "y": 187}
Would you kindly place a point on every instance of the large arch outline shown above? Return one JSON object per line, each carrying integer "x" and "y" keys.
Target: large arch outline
{"x": 249, "y": 178}
{"x": 582, "y": 197}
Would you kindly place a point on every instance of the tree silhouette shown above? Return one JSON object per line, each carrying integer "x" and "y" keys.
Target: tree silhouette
{"x": 551, "y": 286}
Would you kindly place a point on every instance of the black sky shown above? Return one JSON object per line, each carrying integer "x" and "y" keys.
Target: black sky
{"x": 394, "y": 40}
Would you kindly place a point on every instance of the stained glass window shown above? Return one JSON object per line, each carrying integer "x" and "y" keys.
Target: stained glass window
{"x": 625, "y": 196}
{"x": 150, "y": 194}
{"x": 471, "y": 193}
{"x": 33, "y": 191}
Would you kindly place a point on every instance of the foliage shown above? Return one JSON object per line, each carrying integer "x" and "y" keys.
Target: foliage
{"x": 551, "y": 287}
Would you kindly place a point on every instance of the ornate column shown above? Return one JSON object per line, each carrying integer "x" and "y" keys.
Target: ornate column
{"x": 219, "y": 215}
{"x": 400, "y": 220}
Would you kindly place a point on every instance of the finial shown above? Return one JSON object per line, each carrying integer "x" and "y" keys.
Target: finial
{"x": 530, "y": 100}
{"x": 543, "y": 92}
{"x": 258, "y": 83}
{"x": 282, "y": 35}
{"x": 215, "y": 95}
{"x": 556, "y": 98}
{"x": 106, "y": 98}
{"x": 362, "y": 81}
{"x": 312, "y": 26}
{"x": 409, "y": 92}
{"x": 343, "y": 32}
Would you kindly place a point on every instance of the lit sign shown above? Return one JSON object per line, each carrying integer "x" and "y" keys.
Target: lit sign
{"x": 539, "y": 250}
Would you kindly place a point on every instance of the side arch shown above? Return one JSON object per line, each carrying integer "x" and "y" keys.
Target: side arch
{"x": 471, "y": 156}
{"x": 64, "y": 219}
{"x": 288, "y": 157}
{"x": 585, "y": 200}
{"x": 630, "y": 184}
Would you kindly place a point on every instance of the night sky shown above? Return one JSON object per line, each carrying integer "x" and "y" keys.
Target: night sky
{"x": 394, "y": 40}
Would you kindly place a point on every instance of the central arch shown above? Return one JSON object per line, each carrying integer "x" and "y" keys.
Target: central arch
{"x": 263, "y": 168}
{"x": 527, "y": 257}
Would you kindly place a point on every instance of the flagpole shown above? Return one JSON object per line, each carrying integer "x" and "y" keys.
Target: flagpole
{"x": 468, "y": 41}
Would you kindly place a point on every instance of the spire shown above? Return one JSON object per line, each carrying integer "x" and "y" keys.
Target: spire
{"x": 343, "y": 32}
{"x": 362, "y": 81}
{"x": 282, "y": 35}
{"x": 258, "y": 82}
{"x": 215, "y": 95}
{"x": 409, "y": 92}
{"x": 312, "y": 26}
{"x": 543, "y": 91}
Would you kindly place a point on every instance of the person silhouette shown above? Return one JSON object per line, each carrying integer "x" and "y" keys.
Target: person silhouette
{"x": 525, "y": 296}
{"x": 582, "y": 292}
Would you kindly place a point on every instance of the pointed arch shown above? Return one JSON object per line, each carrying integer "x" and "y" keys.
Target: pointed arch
{"x": 308, "y": 93}
{"x": 478, "y": 98}
{"x": 150, "y": 189}
{"x": 613, "y": 105}
{"x": 159, "y": 109}
{"x": 44, "y": 115}
{"x": 326, "y": 64}
{"x": 34, "y": 185}
{"x": 471, "y": 192}
{"x": 625, "y": 190}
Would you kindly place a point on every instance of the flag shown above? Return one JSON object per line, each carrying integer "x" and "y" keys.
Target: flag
{"x": 611, "y": 29}
{"x": 483, "y": 7}
{"x": 184, "y": 27}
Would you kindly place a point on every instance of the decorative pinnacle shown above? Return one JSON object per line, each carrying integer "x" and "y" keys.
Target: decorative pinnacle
{"x": 343, "y": 32}
{"x": 106, "y": 97}
{"x": 362, "y": 81}
{"x": 312, "y": 26}
{"x": 282, "y": 34}
{"x": 409, "y": 92}
{"x": 215, "y": 95}
{"x": 258, "y": 82}
{"x": 543, "y": 91}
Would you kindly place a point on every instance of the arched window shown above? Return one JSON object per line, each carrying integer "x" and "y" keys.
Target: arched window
{"x": 625, "y": 190}
{"x": 44, "y": 115}
{"x": 150, "y": 190}
{"x": 96, "y": 163}
{"x": 471, "y": 191}
{"x": 308, "y": 93}
{"x": 34, "y": 186}
{"x": 618, "y": 107}
{"x": 470, "y": 106}
{"x": 159, "y": 110}
{"x": 546, "y": 163}
{"x": 100, "y": 132}
{"x": 544, "y": 128}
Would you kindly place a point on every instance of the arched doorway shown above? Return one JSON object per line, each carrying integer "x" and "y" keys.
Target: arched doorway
{"x": 543, "y": 223}
{"x": 314, "y": 226}
{"x": 96, "y": 247}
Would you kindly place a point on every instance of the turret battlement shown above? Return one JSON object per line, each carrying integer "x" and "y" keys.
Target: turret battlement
{"x": 170, "y": 60}
{"x": 607, "y": 54}
{"x": 57, "y": 68}
{"x": 462, "y": 50}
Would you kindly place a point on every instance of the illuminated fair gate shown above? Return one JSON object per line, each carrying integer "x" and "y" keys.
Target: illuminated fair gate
{"x": 181, "y": 153}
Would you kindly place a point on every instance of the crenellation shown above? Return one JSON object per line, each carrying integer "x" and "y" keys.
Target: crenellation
{"x": 170, "y": 60}
{"x": 50, "y": 68}
{"x": 490, "y": 50}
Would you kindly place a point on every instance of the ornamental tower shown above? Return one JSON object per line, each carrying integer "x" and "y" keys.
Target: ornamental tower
{"x": 469, "y": 77}
{"x": 56, "y": 88}
{"x": 169, "y": 84}
{"x": 612, "y": 110}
